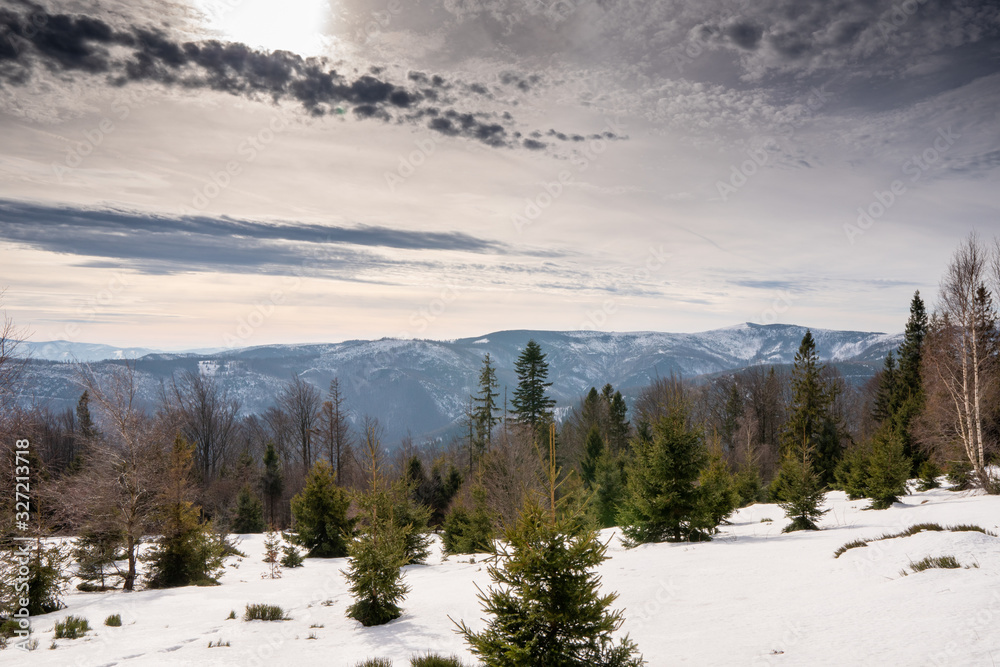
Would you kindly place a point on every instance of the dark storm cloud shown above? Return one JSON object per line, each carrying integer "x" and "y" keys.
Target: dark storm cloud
{"x": 159, "y": 244}
{"x": 68, "y": 44}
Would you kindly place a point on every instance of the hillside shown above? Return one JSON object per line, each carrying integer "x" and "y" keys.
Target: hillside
{"x": 423, "y": 385}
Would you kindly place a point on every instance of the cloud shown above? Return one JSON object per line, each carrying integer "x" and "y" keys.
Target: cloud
{"x": 158, "y": 244}
{"x": 68, "y": 44}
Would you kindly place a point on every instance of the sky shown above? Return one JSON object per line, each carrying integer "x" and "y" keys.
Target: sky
{"x": 220, "y": 173}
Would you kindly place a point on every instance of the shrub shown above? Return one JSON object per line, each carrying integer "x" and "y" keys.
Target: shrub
{"x": 113, "y": 621}
{"x": 546, "y": 607}
{"x": 291, "y": 557}
{"x": 232, "y": 615}
{"x": 217, "y": 643}
{"x": 319, "y": 514}
{"x": 46, "y": 578}
{"x": 928, "y": 473}
{"x": 249, "y": 516}
{"x": 748, "y": 486}
{"x": 799, "y": 493}
{"x": 948, "y": 562}
{"x": 95, "y": 552}
{"x": 851, "y": 474}
{"x": 434, "y": 660}
{"x": 662, "y": 500}
{"x": 72, "y": 627}
{"x": 888, "y": 469}
{"x": 856, "y": 544}
{"x": 467, "y": 532}
{"x": 959, "y": 475}
{"x": 264, "y": 612}
{"x": 9, "y": 628}
{"x": 375, "y": 662}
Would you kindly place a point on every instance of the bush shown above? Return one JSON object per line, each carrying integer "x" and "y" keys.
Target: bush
{"x": 264, "y": 612}
{"x": 888, "y": 469}
{"x": 947, "y": 562}
{"x": 72, "y": 627}
{"x": 232, "y": 615}
{"x": 469, "y": 532}
{"x": 546, "y": 607}
{"x": 187, "y": 551}
{"x": 748, "y": 486}
{"x": 113, "y": 621}
{"x": 319, "y": 514}
{"x": 798, "y": 491}
{"x": 9, "y": 628}
{"x": 434, "y": 660}
{"x": 95, "y": 552}
{"x": 851, "y": 474}
{"x": 718, "y": 497}
{"x": 412, "y": 518}
{"x": 662, "y": 500}
{"x": 290, "y": 556}
{"x": 928, "y": 473}
{"x": 856, "y": 544}
{"x": 959, "y": 475}
{"x": 375, "y": 662}
{"x": 377, "y": 556}
{"x": 46, "y": 577}
{"x": 249, "y": 516}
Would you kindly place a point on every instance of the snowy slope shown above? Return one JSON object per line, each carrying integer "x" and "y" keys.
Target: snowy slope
{"x": 753, "y": 596}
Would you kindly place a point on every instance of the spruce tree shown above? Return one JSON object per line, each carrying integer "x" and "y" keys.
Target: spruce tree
{"x": 618, "y": 425}
{"x": 271, "y": 481}
{"x": 799, "y": 491}
{"x": 887, "y": 395}
{"x": 593, "y": 451}
{"x": 469, "y": 530}
{"x": 319, "y": 514}
{"x": 852, "y": 471}
{"x": 888, "y": 469}
{"x": 378, "y": 553}
{"x": 249, "y": 516}
{"x": 187, "y": 551}
{"x": 718, "y": 492}
{"x": 272, "y": 543}
{"x": 486, "y": 411}
{"x": 412, "y": 517}
{"x": 662, "y": 498}
{"x": 531, "y": 404}
{"x": 910, "y": 391}
{"x": 84, "y": 421}
{"x": 95, "y": 552}
{"x": 609, "y": 479}
{"x": 545, "y": 606}
{"x": 810, "y": 423}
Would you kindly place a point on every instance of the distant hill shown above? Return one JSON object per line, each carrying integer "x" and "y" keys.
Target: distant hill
{"x": 423, "y": 385}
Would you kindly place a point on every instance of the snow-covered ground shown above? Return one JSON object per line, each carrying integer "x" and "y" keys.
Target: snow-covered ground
{"x": 753, "y": 596}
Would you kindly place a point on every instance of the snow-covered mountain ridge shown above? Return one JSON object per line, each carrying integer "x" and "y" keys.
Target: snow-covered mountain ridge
{"x": 423, "y": 385}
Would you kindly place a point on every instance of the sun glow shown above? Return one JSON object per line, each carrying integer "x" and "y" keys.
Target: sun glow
{"x": 289, "y": 25}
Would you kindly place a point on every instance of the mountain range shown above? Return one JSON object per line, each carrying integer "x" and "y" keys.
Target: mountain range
{"x": 422, "y": 387}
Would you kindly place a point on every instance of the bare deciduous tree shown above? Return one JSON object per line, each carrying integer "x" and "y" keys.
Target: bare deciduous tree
{"x": 961, "y": 359}
{"x": 301, "y": 402}
{"x": 118, "y": 486}
{"x": 207, "y": 417}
